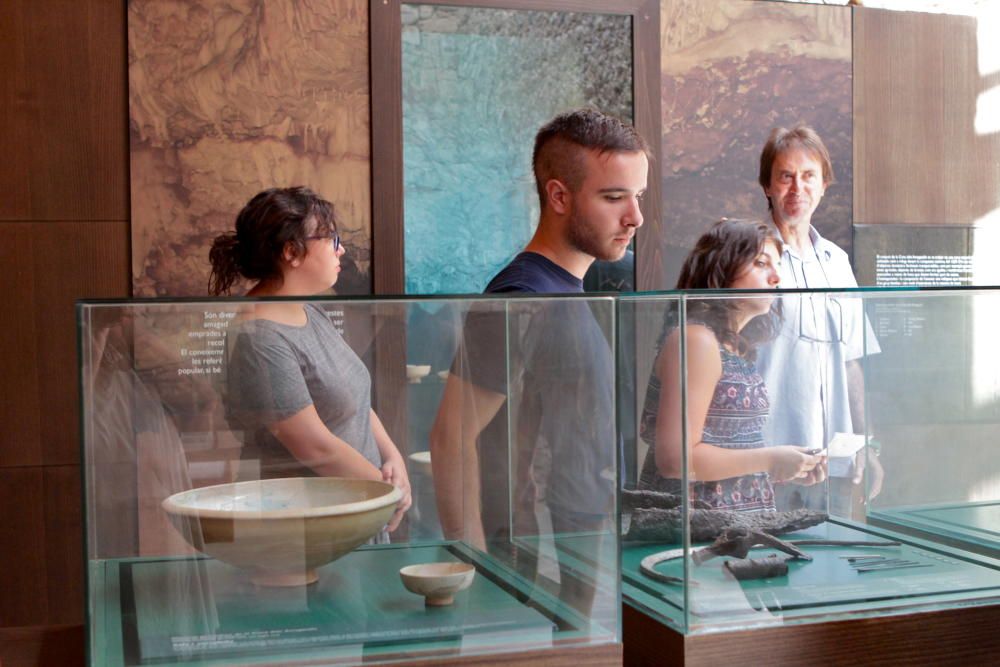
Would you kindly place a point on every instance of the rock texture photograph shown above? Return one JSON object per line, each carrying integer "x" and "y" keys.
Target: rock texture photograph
{"x": 731, "y": 71}
{"x": 229, "y": 98}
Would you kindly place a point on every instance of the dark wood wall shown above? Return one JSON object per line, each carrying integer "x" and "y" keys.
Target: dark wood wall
{"x": 64, "y": 234}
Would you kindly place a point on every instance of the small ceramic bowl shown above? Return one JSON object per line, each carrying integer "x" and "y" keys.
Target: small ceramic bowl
{"x": 421, "y": 461}
{"x": 437, "y": 582}
{"x": 416, "y": 372}
{"x": 443, "y": 375}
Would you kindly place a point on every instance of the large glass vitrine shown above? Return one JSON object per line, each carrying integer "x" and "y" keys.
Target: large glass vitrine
{"x": 216, "y": 535}
{"x": 865, "y": 422}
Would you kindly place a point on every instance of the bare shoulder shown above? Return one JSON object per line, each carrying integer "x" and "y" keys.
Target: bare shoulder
{"x": 703, "y": 355}
{"x": 702, "y": 350}
{"x": 699, "y": 336}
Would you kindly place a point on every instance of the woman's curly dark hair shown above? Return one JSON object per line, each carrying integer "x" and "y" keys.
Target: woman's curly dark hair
{"x": 264, "y": 227}
{"x": 717, "y": 260}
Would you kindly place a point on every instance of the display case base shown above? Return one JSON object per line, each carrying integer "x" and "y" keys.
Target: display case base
{"x": 580, "y": 656}
{"x": 948, "y": 637}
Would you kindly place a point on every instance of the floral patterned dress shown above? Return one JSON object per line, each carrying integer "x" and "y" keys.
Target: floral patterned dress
{"x": 736, "y": 417}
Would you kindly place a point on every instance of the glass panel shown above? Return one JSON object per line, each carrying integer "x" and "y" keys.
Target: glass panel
{"x": 563, "y": 449}
{"x": 934, "y": 410}
{"x": 236, "y": 502}
{"x": 643, "y": 322}
{"x": 477, "y": 85}
{"x": 839, "y": 464}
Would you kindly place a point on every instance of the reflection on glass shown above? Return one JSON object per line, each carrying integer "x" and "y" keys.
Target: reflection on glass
{"x": 477, "y": 85}
{"x": 933, "y": 395}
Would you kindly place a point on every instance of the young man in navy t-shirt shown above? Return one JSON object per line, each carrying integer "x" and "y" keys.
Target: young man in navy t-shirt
{"x": 590, "y": 172}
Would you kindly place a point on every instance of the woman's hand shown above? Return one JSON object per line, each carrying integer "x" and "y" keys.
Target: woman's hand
{"x": 789, "y": 463}
{"x": 393, "y": 469}
{"x": 394, "y": 472}
{"x": 816, "y": 475}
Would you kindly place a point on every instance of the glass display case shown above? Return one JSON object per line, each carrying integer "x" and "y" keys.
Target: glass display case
{"x": 244, "y": 481}
{"x": 780, "y": 460}
{"x": 800, "y": 457}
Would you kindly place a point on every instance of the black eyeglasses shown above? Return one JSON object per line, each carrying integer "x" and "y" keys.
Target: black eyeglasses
{"x": 332, "y": 237}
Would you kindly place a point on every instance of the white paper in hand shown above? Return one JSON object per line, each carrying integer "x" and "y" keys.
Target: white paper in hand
{"x": 845, "y": 444}
{"x": 840, "y": 452}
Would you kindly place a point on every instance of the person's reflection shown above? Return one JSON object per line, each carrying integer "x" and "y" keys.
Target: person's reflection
{"x": 727, "y": 402}
{"x": 136, "y": 459}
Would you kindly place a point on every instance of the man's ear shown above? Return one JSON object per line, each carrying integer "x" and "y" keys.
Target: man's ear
{"x": 558, "y": 196}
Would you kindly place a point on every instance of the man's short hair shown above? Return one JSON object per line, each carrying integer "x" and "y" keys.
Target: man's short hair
{"x": 560, "y": 142}
{"x": 781, "y": 140}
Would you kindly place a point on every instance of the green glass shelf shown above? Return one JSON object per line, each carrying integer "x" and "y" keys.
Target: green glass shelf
{"x": 975, "y": 526}
{"x": 198, "y": 611}
{"x": 812, "y": 591}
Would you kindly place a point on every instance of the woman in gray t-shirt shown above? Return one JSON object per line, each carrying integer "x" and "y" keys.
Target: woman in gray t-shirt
{"x": 295, "y": 387}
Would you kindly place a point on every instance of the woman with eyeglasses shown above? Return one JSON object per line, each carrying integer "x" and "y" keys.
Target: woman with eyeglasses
{"x": 297, "y": 390}
{"x": 729, "y": 466}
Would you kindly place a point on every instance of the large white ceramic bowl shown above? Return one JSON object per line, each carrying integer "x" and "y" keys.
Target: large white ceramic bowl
{"x": 281, "y": 530}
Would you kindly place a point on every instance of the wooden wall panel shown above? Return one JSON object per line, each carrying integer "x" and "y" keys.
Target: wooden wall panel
{"x": 20, "y": 443}
{"x": 387, "y": 148}
{"x": 49, "y": 265}
{"x": 42, "y": 646}
{"x": 71, "y": 260}
{"x": 918, "y": 158}
{"x": 63, "y": 236}
{"x": 13, "y": 117}
{"x": 950, "y": 637}
{"x": 65, "y": 100}
{"x": 64, "y": 557}
{"x": 646, "y": 77}
{"x": 22, "y": 557}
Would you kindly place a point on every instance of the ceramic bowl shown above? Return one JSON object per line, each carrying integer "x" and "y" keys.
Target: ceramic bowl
{"x": 421, "y": 461}
{"x": 416, "y": 372}
{"x": 281, "y": 530}
{"x": 443, "y": 375}
{"x": 437, "y": 582}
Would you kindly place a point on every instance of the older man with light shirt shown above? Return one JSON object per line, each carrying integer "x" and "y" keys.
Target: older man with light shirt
{"x": 812, "y": 369}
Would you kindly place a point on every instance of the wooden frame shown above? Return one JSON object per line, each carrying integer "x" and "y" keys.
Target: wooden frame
{"x": 387, "y": 126}
{"x": 960, "y": 636}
